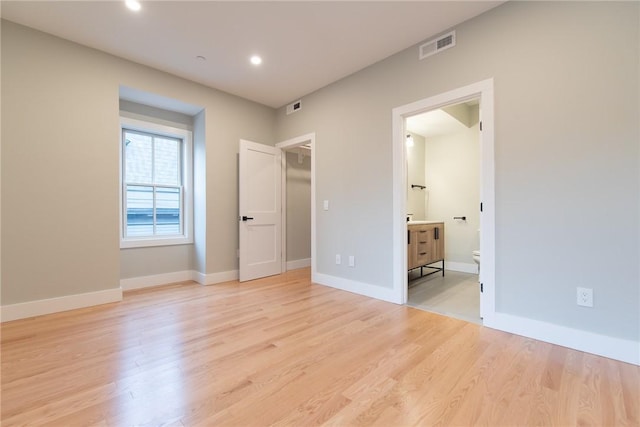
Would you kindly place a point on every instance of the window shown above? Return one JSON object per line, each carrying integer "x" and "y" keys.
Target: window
{"x": 156, "y": 185}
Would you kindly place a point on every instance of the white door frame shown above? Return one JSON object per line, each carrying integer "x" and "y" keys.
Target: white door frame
{"x": 310, "y": 139}
{"x": 484, "y": 91}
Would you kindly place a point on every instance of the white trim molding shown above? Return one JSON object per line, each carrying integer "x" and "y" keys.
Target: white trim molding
{"x": 462, "y": 267}
{"x": 484, "y": 91}
{"x": 298, "y": 263}
{"x": 58, "y": 304}
{"x": 176, "y": 277}
{"x": 156, "y": 280}
{"x": 71, "y": 302}
{"x": 614, "y": 348}
{"x": 378, "y": 292}
{"x": 215, "y": 278}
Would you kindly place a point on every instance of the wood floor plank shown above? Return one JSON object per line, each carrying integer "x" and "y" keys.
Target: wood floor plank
{"x": 282, "y": 351}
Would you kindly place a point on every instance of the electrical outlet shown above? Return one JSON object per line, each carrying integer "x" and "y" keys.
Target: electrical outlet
{"x": 338, "y": 259}
{"x": 352, "y": 261}
{"x": 585, "y": 297}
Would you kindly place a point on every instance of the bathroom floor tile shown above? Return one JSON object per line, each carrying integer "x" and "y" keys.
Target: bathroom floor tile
{"x": 454, "y": 295}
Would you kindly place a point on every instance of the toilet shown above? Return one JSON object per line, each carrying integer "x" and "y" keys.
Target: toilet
{"x": 476, "y": 255}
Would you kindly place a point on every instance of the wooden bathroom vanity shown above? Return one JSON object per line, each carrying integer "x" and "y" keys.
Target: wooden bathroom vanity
{"x": 425, "y": 245}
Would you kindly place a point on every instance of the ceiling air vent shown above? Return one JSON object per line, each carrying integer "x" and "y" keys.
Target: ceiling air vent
{"x": 437, "y": 45}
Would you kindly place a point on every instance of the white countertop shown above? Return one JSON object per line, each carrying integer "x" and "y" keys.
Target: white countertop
{"x": 422, "y": 222}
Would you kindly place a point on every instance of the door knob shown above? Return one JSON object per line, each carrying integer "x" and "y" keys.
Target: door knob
{"x": 246, "y": 218}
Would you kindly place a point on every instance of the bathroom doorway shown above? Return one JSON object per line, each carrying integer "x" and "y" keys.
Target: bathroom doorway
{"x": 443, "y": 187}
{"x": 483, "y": 91}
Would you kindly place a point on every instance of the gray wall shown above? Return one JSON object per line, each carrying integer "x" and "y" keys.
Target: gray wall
{"x": 60, "y": 164}
{"x": 566, "y": 157}
{"x": 298, "y": 206}
{"x": 151, "y": 114}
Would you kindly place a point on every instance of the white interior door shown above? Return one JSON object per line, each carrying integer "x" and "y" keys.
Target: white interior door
{"x": 260, "y": 211}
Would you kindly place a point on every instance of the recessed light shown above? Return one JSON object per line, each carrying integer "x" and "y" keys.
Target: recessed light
{"x": 133, "y": 5}
{"x": 256, "y": 60}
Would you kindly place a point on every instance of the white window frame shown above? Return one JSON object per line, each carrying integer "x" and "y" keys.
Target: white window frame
{"x": 186, "y": 237}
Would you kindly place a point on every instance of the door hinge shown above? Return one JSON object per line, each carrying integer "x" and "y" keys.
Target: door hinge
{"x": 480, "y": 206}
{"x": 481, "y": 287}
{"x": 480, "y": 126}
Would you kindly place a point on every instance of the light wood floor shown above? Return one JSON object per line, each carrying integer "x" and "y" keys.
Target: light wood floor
{"x": 282, "y": 351}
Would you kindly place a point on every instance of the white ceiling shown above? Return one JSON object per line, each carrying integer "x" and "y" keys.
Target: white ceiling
{"x": 305, "y": 44}
{"x": 440, "y": 122}
{"x": 433, "y": 123}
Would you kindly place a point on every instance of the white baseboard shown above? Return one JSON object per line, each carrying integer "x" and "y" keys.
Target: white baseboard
{"x": 298, "y": 263}
{"x": 213, "y": 278}
{"x": 155, "y": 280}
{"x": 55, "y": 305}
{"x": 178, "y": 276}
{"x": 378, "y": 292}
{"x": 462, "y": 267}
{"x": 71, "y": 302}
{"x": 614, "y": 348}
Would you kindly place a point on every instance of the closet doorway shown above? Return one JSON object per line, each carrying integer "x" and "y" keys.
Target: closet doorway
{"x": 298, "y": 203}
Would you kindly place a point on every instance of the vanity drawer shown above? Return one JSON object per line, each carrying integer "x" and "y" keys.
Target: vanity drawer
{"x": 426, "y": 244}
{"x": 423, "y": 254}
